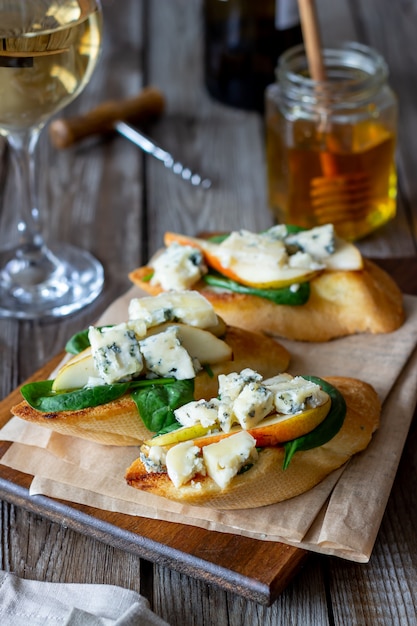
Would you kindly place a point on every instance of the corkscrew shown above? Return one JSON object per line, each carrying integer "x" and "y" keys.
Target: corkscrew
{"x": 121, "y": 116}
{"x": 150, "y": 147}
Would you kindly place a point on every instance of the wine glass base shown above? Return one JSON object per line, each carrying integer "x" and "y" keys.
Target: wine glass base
{"x": 25, "y": 293}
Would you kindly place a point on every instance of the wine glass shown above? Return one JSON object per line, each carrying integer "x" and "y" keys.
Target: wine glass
{"x": 48, "y": 51}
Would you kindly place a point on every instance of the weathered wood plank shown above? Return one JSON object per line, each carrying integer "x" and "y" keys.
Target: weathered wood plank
{"x": 304, "y": 602}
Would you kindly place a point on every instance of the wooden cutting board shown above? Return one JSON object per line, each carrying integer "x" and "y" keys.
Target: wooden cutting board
{"x": 257, "y": 570}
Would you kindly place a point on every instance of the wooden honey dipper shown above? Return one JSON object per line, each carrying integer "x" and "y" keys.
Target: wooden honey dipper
{"x": 118, "y": 116}
{"x": 335, "y": 197}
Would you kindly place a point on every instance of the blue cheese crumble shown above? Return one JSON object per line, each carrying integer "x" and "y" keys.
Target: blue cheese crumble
{"x": 116, "y": 353}
{"x": 254, "y": 402}
{"x": 260, "y": 248}
{"x": 317, "y": 243}
{"x": 204, "y": 412}
{"x": 178, "y": 267}
{"x": 223, "y": 460}
{"x": 230, "y": 386}
{"x": 154, "y": 459}
{"x": 184, "y": 461}
{"x": 164, "y": 356}
{"x": 294, "y": 395}
{"x": 188, "y": 307}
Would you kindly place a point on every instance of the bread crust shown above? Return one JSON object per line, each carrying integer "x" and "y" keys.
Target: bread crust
{"x": 266, "y": 482}
{"x": 117, "y": 423}
{"x": 341, "y": 303}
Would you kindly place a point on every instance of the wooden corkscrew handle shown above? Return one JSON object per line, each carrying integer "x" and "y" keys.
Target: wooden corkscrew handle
{"x": 145, "y": 107}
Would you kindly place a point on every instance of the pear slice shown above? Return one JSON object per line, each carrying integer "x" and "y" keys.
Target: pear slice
{"x": 261, "y": 266}
{"x": 272, "y": 431}
{"x": 346, "y": 257}
{"x": 261, "y": 263}
{"x": 199, "y": 343}
{"x": 219, "y": 329}
{"x": 74, "y": 374}
{"x": 275, "y": 429}
{"x": 185, "y": 433}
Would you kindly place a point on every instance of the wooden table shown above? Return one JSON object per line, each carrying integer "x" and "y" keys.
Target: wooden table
{"x": 106, "y": 196}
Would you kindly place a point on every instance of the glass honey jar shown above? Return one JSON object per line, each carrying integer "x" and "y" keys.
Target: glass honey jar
{"x": 331, "y": 145}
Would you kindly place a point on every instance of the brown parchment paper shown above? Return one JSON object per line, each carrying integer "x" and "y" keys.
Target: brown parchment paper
{"x": 340, "y": 516}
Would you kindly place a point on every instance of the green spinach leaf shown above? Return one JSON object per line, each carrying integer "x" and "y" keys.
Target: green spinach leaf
{"x": 79, "y": 341}
{"x": 325, "y": 431}
{"x": 156, "y": 404}
{"x": 284, "y": 295}
{"x": 41, "y": 397}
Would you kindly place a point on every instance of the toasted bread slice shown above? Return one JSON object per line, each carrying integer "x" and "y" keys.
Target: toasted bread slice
{"x": 266, "y": 482}
{"x": 118, "y": 423}
{"x": 341, "y": 303}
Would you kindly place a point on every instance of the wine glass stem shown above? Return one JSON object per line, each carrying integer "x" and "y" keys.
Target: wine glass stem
{"x": 32, "y": 263}
{"x": 22, "y": 147}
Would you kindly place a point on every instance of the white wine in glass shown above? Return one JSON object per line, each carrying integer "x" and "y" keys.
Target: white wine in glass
{"x": 48, "y": 52}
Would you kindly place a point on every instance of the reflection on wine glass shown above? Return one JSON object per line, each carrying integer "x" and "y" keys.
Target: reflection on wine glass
{"x": 48, "y": 51}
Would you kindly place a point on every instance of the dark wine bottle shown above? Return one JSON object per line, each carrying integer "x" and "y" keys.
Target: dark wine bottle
{"x": 243, "y": 41}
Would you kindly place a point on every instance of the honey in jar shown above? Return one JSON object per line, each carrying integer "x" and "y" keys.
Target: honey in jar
{"x": 331, "y": 146}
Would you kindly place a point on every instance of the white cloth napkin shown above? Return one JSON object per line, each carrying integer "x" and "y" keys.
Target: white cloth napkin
{"x": 24, "y": 602}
